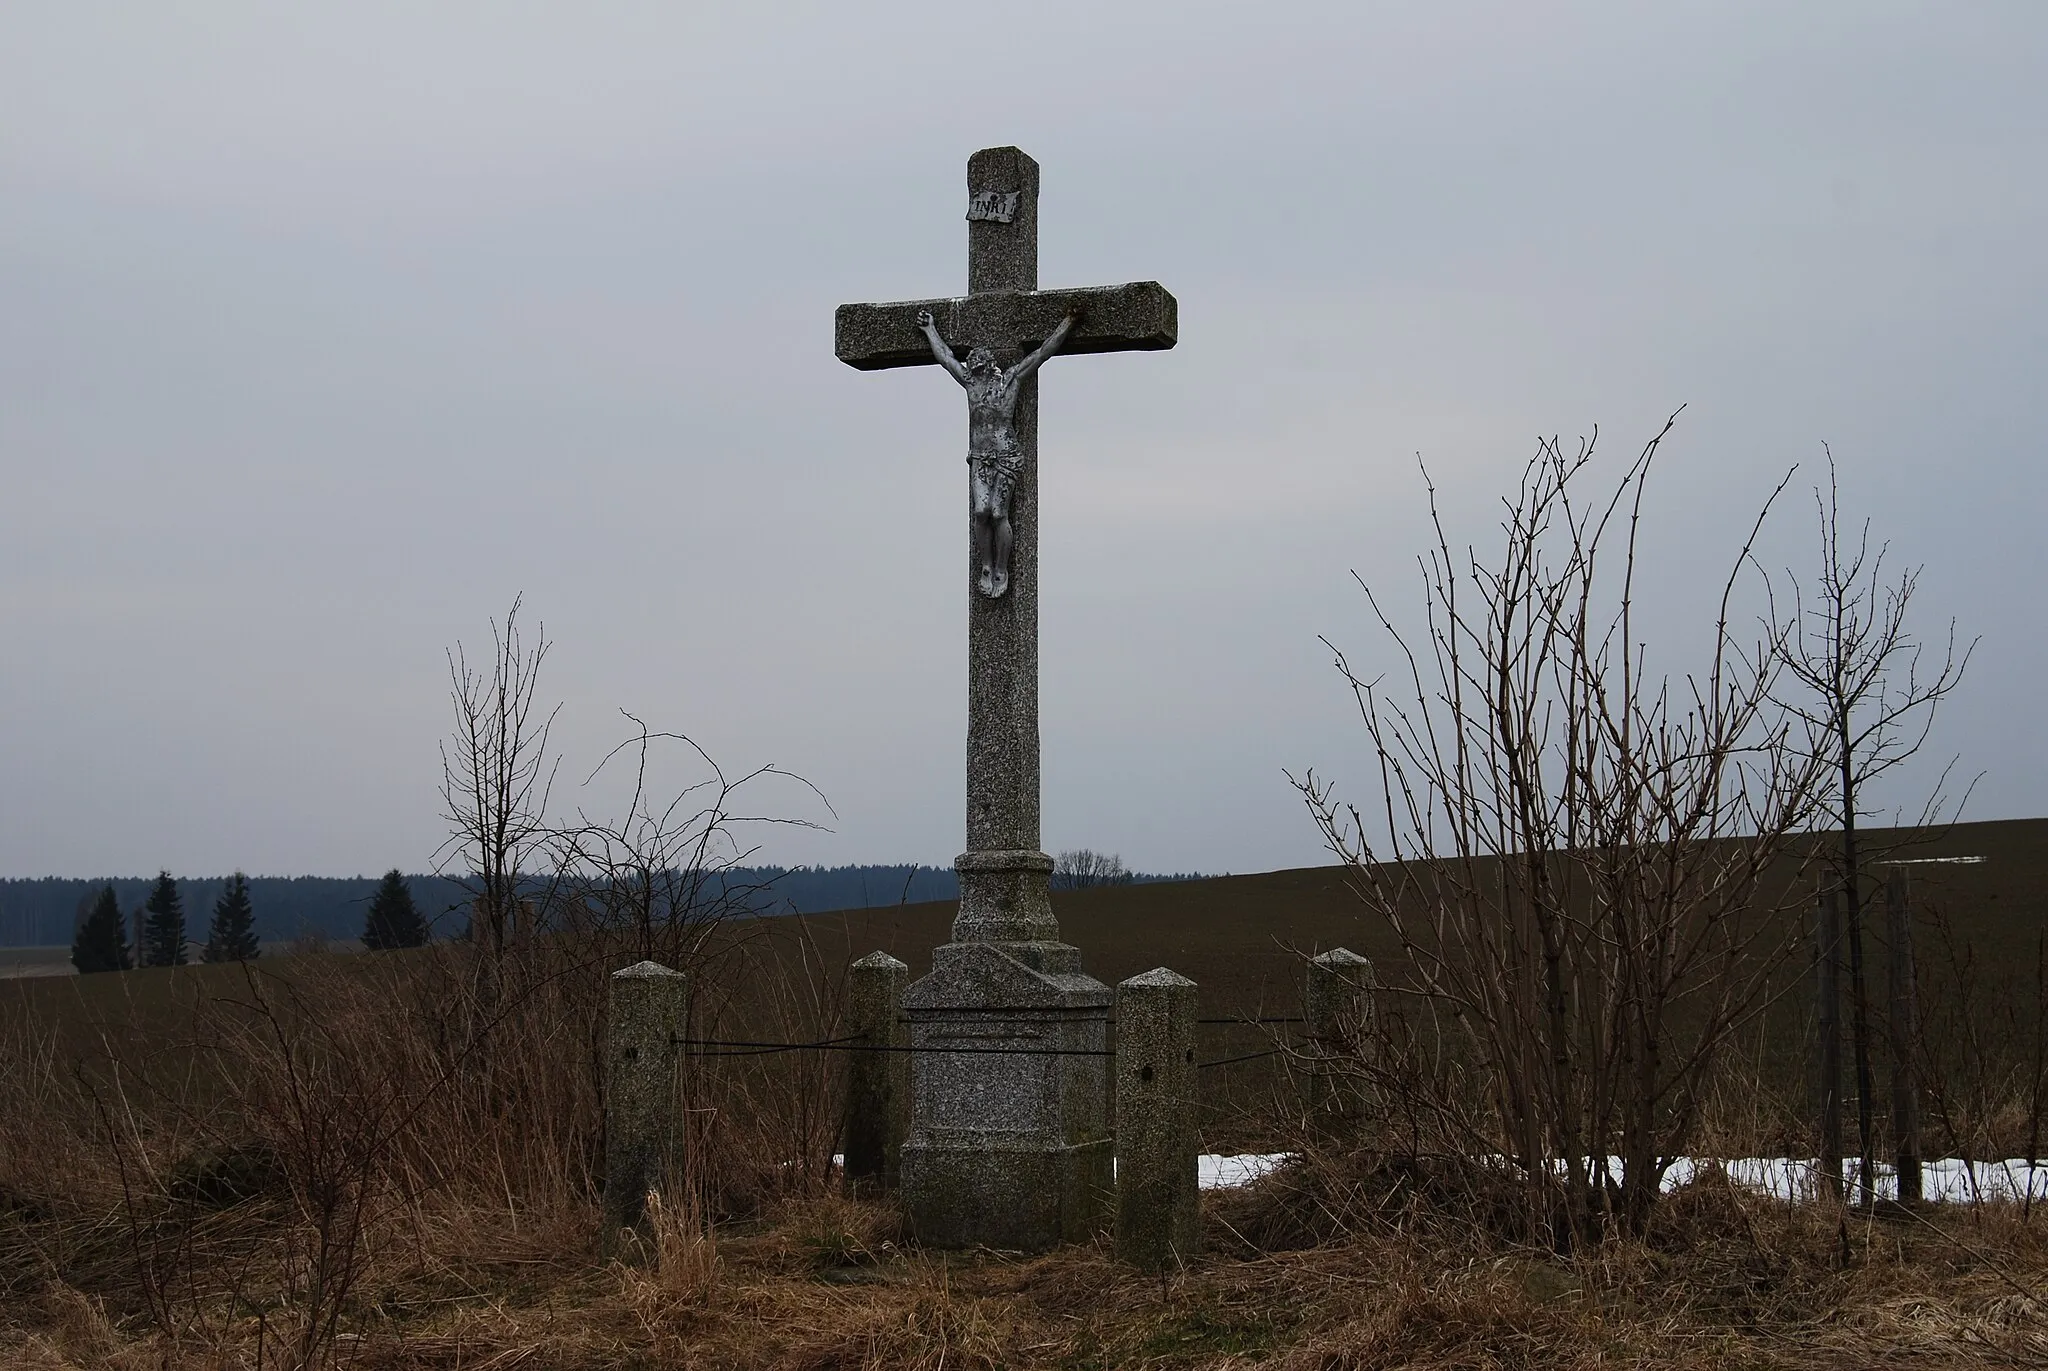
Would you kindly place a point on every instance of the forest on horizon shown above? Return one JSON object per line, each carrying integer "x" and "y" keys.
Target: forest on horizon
{"x": 45, "y": 911}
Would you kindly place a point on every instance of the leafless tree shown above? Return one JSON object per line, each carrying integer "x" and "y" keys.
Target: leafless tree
{"x": 1573, "y": 851}
{"x": 1084, "y": 868}
{"x": 1865, "y": 690}
{"x": 496, "y": 777}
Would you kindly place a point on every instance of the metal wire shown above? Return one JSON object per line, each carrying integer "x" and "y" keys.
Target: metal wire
{"x": 1111, "y": 1020}
{"x": 740, "y": 1048}
{"x": 1247, "y": 1057}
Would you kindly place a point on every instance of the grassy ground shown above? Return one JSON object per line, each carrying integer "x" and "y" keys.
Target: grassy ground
{"x": 386, "y": 1162}
{"x": 823, "y": 1283}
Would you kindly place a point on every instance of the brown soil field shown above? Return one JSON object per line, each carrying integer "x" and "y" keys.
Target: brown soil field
{"x": 1242, "y": 938}
{"x": 1979, "y": 891}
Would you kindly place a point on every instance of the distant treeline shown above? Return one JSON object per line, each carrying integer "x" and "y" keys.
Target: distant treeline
{"x": 45, "y": 912}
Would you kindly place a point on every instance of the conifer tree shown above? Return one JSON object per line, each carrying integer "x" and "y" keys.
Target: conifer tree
{"x": 232, "y": 935}
{"x": 394, "y": 920}
{"x": 163, "y": 924}
{"x": 99, "y": 944}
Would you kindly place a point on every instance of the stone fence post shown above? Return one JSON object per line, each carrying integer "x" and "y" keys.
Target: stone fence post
{"x": 646, "y": 1020}
{"x": 1338, "y": 1007}
{"x": 1158, "y": 1202}
{"x": 877, "y": 1083}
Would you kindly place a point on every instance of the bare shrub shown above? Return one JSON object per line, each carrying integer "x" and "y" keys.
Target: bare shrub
{"x": 1573, "y": 851}
{"x": 657, "y": 879}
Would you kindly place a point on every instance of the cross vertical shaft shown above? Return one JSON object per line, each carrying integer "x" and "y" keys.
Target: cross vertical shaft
{"x": 1002, "y": 872}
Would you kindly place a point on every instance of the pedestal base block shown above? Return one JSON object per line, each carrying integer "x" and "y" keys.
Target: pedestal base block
{"x": 1009, "y": 1146}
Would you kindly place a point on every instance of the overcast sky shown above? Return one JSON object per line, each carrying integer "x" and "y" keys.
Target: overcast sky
{"x": 327, "y": 329}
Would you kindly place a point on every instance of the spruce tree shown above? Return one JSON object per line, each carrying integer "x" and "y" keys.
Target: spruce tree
{"x": 232, "y": 935}
{"x": 163, "y": 924}
{"x": 394, "y": 921}
{"x": 99, "y": 944}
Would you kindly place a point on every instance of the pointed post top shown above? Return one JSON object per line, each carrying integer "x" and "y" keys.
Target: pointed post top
{"x": 644, "y": 971}
{"x": 1341, "y": 959}
{"x": 879, "y": 961}
{"x": 1158, "y": 978}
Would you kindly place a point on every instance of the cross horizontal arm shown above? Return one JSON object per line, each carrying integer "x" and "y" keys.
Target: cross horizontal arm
{"x": 1138, "y": 317}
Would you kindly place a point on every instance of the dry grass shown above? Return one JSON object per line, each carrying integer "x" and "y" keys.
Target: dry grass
{"x": 345, "y": 1162}
{"x": 821, "y": 1282}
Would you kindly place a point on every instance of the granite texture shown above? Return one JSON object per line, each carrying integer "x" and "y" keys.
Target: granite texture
{"x": 1008, "y": 1144}
{"x": 1338, "y": 1007}
{"x": 1003, "y": 898}
{"x": 1158, "y": 1199}
{"x": 877, "y": 1083}
{"x": 1003, "y": 255}
{"x": 645, "y": 1022}
{"x": 1140, "y": 316}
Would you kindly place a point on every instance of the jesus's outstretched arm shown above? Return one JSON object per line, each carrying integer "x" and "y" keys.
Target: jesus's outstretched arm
{"x": 1035, "y": 359}
{"x": 942, "y": 353}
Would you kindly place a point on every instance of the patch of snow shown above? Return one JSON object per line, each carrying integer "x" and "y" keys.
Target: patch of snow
{"x": 1214, "y": 1171}
{"x": 1949, "y": 1181}
{"x": 1223, "y": 1173}
{"x": 1932, "y": 861}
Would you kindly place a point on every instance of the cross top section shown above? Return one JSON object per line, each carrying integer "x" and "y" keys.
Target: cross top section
{"x": 1004, "y": 310}
{"x": 991, "y": 341}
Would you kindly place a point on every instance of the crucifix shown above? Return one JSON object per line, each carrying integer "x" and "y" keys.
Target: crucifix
{"x": 992, "y": 341}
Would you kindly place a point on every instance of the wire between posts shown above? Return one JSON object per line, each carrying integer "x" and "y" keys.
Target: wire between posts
{"x": 728, "y": 1047}
{"x": 1235, "y": 1021}
{"x": 857, "y": 1042}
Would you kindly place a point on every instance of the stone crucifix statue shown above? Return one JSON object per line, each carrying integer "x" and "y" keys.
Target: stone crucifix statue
{"x": 992, "y": 341}
{"x": 995, "y": 459}
{"x": 1007, "y": 1143}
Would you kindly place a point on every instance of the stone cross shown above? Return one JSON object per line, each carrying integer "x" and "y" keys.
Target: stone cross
{"x": 1002, "y": 874}
{"x": 1007, "y": 1144}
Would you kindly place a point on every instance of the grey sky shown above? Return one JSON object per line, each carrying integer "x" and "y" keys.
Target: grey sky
{"x": 325, "y": 330}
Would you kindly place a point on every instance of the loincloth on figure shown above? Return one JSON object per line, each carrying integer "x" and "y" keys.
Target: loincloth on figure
{"x": 994, "y": 478}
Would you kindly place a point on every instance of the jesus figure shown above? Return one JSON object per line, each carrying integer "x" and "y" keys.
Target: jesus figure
{"x": 994, "y": 460}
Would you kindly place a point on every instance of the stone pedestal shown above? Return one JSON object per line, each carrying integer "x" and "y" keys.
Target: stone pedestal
{"x": 1008, "y": 1143}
